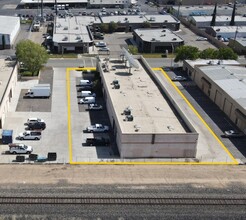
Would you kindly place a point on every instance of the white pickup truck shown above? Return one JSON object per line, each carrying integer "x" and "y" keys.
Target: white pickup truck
{"x": 97, "y": 128}
{"x": 20, "y": 149}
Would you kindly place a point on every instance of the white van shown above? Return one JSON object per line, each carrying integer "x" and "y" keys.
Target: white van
{"x": 87, "y": 100}
{"x": 86, "y": 94}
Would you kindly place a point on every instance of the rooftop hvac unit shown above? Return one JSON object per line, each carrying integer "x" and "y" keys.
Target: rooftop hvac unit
{"x": 127, "y": 111}
{"x": 153, "y": 39}
{"x": 117, "y": 86}
{"x": 78, "y": 38}
{"x": 115, "y": 82}
{"x": 174, "y": 39}
{"x": 152, "y": 19}
{"x": 65, "y": 28}
{"x": 128, "y": 118}
{"x": 163, "y": 30}
{"x": 163, "y": 35}
{"x": 65, "y": 39}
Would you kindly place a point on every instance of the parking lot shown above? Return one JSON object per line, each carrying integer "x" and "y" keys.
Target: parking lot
{"x": 55, "y": 113}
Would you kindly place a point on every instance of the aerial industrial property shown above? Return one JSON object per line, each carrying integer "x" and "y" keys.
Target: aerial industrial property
{"x": 107, "y": 105}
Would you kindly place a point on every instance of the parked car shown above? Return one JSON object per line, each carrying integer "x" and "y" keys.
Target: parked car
{"x": 202, "y": 39}
{"x": 100, "y": 44}
{"x": 179, "y": 78}
{"x": 233, "y": 133}
{"x": 30, "y": 135}
{"x": 97, "y": 128}
{"x": 95, "y": 106}
{"x": 20, "y": 149}
{"x": 98, "y": 141}
{"x": 33, "y": 120}
{"x": 104, "y": 49}
{"x": 37, "y": 126}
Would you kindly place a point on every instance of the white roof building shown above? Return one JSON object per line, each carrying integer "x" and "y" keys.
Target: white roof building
{"x": 9, "y": 28}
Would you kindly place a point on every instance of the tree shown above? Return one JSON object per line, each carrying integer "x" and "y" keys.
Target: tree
{"x": 133, "y": 49}
{"x": 104, "y": 27}
{"x": 146, "y": 24}
{"x": 226, "y": 54}
{"x": 208, "y": 53}
{"x": 186, "y": 53}
{"x": 32, "y": 55}
{"x": 112, "y": 26}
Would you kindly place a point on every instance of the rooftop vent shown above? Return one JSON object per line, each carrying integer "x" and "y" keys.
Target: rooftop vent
{"x": 163, "y": 35}
{"x": 65, "y": 28}
{"x": 152, "y": 18}
{"x": 163, "y": 30}
{"x": 174, "y": 38}
{"x": 126, "y": 19}
{"x": 77, "y": 28}
{"x": 153, "y": 39}
{"x": 78, "y": 38}
{"x": 65, "y": 39}
{"x": 165, "y": 21}
{"x": 128, "y": 118}
{"x": 136, "y": 127}
{"x": 218, "y": 29}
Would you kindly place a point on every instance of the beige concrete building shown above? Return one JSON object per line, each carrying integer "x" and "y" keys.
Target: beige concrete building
{"x": 224, "y": 82}
{"x": 144, "y": 121}
{"x": 8, "y": 79}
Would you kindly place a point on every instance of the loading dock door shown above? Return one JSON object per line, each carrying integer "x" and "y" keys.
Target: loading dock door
{"x": 218, "y": 98}
{"x": 227, "y": 107}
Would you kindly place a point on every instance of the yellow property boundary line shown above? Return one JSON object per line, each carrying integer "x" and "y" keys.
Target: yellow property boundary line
{"x": 139, "y": 163}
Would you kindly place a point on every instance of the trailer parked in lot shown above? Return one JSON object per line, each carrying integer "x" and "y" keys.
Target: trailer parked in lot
{"x": 39, "y": 91}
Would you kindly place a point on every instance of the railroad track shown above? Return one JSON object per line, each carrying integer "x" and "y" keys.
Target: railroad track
{"x": 123, "y": 201}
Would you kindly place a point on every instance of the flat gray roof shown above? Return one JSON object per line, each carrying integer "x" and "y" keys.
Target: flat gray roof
{"x": 139, "y": 19}
{"x": 157, "y": 35}
{"x": 152, "y": 114}
{"x": 52, "y": 1}
{"x": 73, "y": 29}
{"x": 218, "y": 18}
{"x": 231, "y": 79}
{"x": 187, "y": 10}
{"x": 210, "y": 62}
{"x": 5, "y": 75}
{"x": 123, "y": 19}
{"x": 229, "y": 29}
{"x": 8, "y": 23}
{"x": 242, "y": 41}
{"x": 161, "y": 18}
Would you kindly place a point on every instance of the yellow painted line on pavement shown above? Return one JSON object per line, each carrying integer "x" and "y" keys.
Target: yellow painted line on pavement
{"x": 111, "y": 162}
{"x": 198, "y": 115}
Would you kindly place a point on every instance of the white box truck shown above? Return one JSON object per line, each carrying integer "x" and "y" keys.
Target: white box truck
{"x": 38, "y": 91}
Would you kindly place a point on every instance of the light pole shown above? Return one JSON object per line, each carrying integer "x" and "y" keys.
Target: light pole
{"x": 180, "y": 3}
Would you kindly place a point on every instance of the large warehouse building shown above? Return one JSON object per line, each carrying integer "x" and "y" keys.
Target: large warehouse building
{"x": 9, "y": 29}
{"x": 224, "y": 82}
{"x": 143, "y": 122}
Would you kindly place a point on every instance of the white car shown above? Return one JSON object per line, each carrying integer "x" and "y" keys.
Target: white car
{"x": 202, "y": 39}
{"x": 233, "y": 133}
{"x": 33, "y": 120}
{"x": 100, "y": 44}
{"x": 97, "y": 128}
{"x": 95, "y": 106}
{"x": 106, "y": 49}
{"x": 179, "y": 78}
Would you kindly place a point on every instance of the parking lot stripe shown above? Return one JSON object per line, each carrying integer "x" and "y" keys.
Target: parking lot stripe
{"x": 198, "y": 115}
{"x": 69, "y": 114}
{"x": 111, "y": 161}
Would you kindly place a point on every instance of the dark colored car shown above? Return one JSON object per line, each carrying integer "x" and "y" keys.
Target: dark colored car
{"x": 37, "y": 126}
{"x": 98, "y": 141}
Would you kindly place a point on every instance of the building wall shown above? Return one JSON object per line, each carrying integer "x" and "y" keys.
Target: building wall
{"x": 237, "y": 47}
{"x": 7, "y": 95}
{"x": 228, "y": 105}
